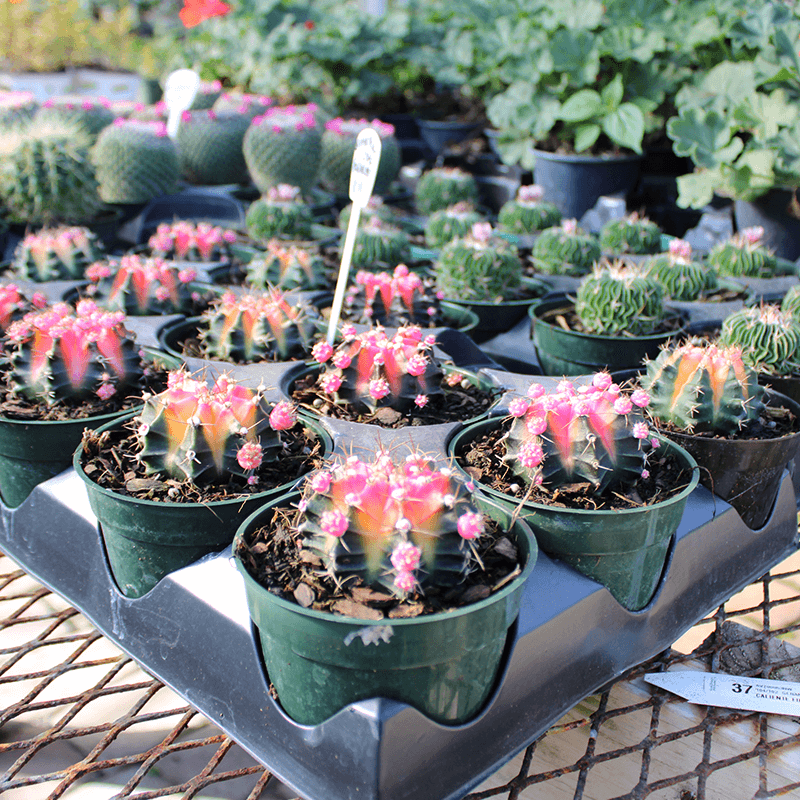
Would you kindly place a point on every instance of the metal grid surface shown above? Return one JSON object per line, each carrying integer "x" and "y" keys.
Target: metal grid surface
{"x": 80, "y": 720}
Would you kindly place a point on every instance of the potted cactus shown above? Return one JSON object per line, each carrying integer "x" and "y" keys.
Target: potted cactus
{"x": 197, "y": 243}
{"x": 453, "y": 222}
{"x": 440, "y": 187}
{"x": 528, "y": 213}
{"x": 170, "y": 483}
{"x": 632, "y": 235}
{"x": 682, "y": 277}
{"x": 442, "y": 566}
{"x": 287, "y": 266}
{"x": 565, "y": 249}
{"x": 578, "y": 462}
{"x": 280, "y": 214}
{"x": 744, "y": 256}
{"x": 379, "y": 244}
{"x": 56, "y": 254}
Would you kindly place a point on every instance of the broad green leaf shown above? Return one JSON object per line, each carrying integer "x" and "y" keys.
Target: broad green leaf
{"x": 574, "y": 14}
{"x": 611, "y": 95}
{"x": 704, "y": 136}
{"x": 575, "y": 53}
{"x": 583, "y": 105}
{"x": 625, "y": 127}
{"x": 766, "y": 114}
{"x": 754, "y": 30}
{"x": 586, "y": 136}
{"x": 730, "y": 81}
{"x": 752, "y": 175}
{"x": 696, "y": 189}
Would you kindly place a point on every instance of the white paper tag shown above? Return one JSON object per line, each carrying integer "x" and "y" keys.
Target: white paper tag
{"x": 731, "y": 691}
{"x": 366, "y": 159}
{"x": 180, "y": 89}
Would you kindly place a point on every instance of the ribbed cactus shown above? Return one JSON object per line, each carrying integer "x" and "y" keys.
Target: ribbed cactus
{"x": 791, "y": 302}
{"x": 391, "y": 299}
{"x": 441, "y": 187}
{"x": 17, "y": 107}
{"x": 189, "y": 241}
{"x": 286, "y": 267}
{"x": 529, "y": 212}
{"x": 203, "y": 434}
{"x": 478, "y": 267}
{"x": 338, "y": 146}
{"x": 565, "y": 250}
{"x": 450, "y": 223}
{"x": 619, "y": 298}
{"x": 207, "y": 94}
{"x": 46, "y": 176}
{"x": 743, "y": 256}
{"x": 138, "y": 285}
{"x": 768, "y": 337}
{"x": 284, "y": 145}
{"x": 703, "y": 387}
{"x": 371, "y": 370}
{"x": 281, "y": 213}
{"x": 14, "y": 304}
{"x": 135, "y": 161}
{"x": 594, "y": 433}
{"x": 680, "y": 276}
{"x": 380, "y": 243}
{"x": 56, "y": 254}
{"x": 90, "y": 114}
{"x": 400, "y": 526}
{"x": 250, "y": 105}
{"x": 60, "y": 354}
{"x": 257, "y": 327}
{"x": 375, "y": 207}
{"x": 210, "y": 147}
{"x": 631, "y": 235}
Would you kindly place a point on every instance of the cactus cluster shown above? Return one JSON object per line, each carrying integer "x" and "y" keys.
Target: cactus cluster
{"x": 257, "y": 327}
{"x": 249, "y": 105}
{"x": 565, "y": 249}
{"x": 280, "y": 213}
{"x": 379, "y": 243}
{"x": 207, "y": 94}
{"x": 191, "y": 241}
{"x": 528, "y": 212}
{"x": 17, "y": 107}
{"x": 768, "y": 337}
{"x": 593, "y": 432}
{"x": 632, "y": 235}
{"x": 372, "y": 370}
{"x": 135, "y": 161}
{"x": 453, "y": 222}
{"x": 203, "y": 434}
{"x": 394, "y": 299}
{"x": 479, "y": 267}
{"x": 744, "y": 256}
{"x": 90, "y": 114}
{"x": 210, "y": 147}
{"x": 14, "y": 305}
{"x": 286, "y": 267}
{"x": 680, "y": 276}
{"x": 138, "y": 285}
{"x": 55, "y": 254}
{"x": 703, "y": 387}
{"x": 59, "y": 354}
{"x": 619, "y": 298}
{"x": 401, "y": 526}
{"x": 441, "y": 187}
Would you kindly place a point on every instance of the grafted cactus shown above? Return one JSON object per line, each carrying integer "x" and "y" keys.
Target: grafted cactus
{"x": 594, "y": 432}
{"x": 703, "y": 387}
{"x": 17, "y": 107}
{"x": 139, "y": 285}
{"x": 619, "y": 298}
{"x": 631, "y": 235}
{"x": 380, "y": 243}
{"x": 565, "y": 250}
{"x": 402, "y": 526}
{"x": 370, "y": 370}
{"x": 189, "y": 241}
{"x": 287, "y": 267}
{"x": 441, "y": 187}
{"x": 55, "y": 254}
{"x": 14, "y": 305}
{"x": 744, "y": 256}
{"x": 280, "y": 213}
{"x": 394, "y": 299}
{"x": 200, "y": 433}
{"x": 453, "y": 222}
{"x": 257, "y": 327}
{"x": 769, "y": 338}
{"x": 529, "y": 212}
{"x": 60, "y": 354}
{"x": 680, "y": 276}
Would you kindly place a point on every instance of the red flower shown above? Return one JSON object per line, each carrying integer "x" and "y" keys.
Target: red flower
{"x": 309, "y": 25}
{"x": 196, "y": 11}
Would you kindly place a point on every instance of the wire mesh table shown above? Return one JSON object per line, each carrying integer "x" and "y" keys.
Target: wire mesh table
{"x": 80, "y": 720}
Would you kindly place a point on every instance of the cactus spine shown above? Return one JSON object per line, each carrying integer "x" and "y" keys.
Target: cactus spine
{"x": 454, "y": 222}
{"x": 441, "y": 187}
{"x": 565, "y": 250}
{"x": 280, "y": 213}
{"x": 743, "y": 256}
{"x": 528, "y": 212}
{"x": 631, "y": 235}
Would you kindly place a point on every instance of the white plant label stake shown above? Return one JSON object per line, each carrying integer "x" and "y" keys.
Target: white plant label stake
{"x": 180, "y": 89}
{"x": 731, "y": 691}
{"x": 366, "y": 158}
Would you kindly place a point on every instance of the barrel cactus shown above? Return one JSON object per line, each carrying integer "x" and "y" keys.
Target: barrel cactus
{"x": 90, "y": 114}
{"x": 528, "y": 212}
{"x": 633, "y": 234}
{"x": 56, "y": 254}
{"x": 14, "y": 304}
{"x": 287, "y": 266}
{"x": 189, "y": 241}
{"x": 280, "y": 213}
{"x": 375, "y": 207}
{"x": 450, "y": 223}
{"x": 249, "y": 105}
{"x": 744, "y": 256}
{"x": 791, "y": 302}
{"x": 380, "y": 243}
{"x": 400, "y": 526}
{"x": 208, "y": 93}
{"x": 17, "y": 107}
{"x": 441, "y": 187}
{"x": 565, "y": 249}
{"x": 680, "y": 276}
{"x": 210, "y": 147}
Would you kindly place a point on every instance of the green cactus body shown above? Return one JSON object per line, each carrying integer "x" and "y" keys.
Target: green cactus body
{"x": 375, "y": 207}
{"x": 17, "y": 108}
{"x": 593, "y": 433}
{"x": 681, "y": 277}
{"x": 287, "y": 267}
{"x": 633, "y": 235}
{"x": 280, "y": 214}
{"x": 157, "y": 112}
{"x": 791, "y": 302}
{"x": 46, "y": 176}
{"x": 140, "y": 286}
{"x": 619, "y": 298}
{"x": 249, "y": 105}
{"x": 478, "y": 267}
{"x": 207, "y": 94}
{"x": 768, "y": 337}
{"x": 743, "y": 256}
{"x": 284, "y": 145}
{"x": 441, "y": 187}
{"x": 378, "y": 243}
{"x": 703, "y": 388}
{"x": 56, "y": 254}
{"x": 255, "y": 327}
{"x": 528, "y": 213}
{"x": 454, "y": 222}
{"x": 210, "y": 147}
{"x": 59, "y": 354}
{"x": 371, "y": 370}
{"x": 203, "y": 434}
{"x": 565, "y": 250}
{"x": 400, "y": 526}
{"x": 184, "y": 240}
{"x": 135, "y": 161}
{"x": 392, "y": 299}
{"x": 89, "y": 114}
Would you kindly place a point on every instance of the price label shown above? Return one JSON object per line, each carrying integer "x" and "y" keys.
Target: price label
{"x": 180, "y": 89}
{"x": 366, "y": 158}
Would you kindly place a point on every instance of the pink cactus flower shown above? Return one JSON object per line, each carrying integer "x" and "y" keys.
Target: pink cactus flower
{"x": 330, "y": 383}
{"x": 518, "y": 407}
{"x": 405, "y": 582}
{"x": 640, "y": 430}
{"x": 321, "y": 351}
{"x": 405, "y": 557}
{"x": 249, "y": 456}
{"x": 421, "y": 400}
{"x": 283, "y": 417}
{"x": 470, "y": 525}
{"x": 334, "y": 523}
{"x": 106, "y": 391}
{"x": 320, "y": 482}
{"x": 379, "y": 388}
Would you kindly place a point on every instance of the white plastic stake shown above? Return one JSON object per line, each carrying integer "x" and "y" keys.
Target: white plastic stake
{"x": 366, "y": 158}
{"x": 180, "y": 89}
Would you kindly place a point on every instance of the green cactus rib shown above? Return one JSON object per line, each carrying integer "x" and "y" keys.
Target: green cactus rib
{"x": 632, "y": 235}
{"x": 526, "y": 218}
{"x": 210, "y": 147}
{"x": 681, "y": 280}
{"x": 269, "y": 218}
{"x": 768, "y": 337}
{"x": 287, "y": 267}
{"x": 441, "y": 187}
{"x": 565, "y": 250}
{"x": 378, "y": 244}
{"x": 454, "y": 222}
{"x": 731, "y": 259}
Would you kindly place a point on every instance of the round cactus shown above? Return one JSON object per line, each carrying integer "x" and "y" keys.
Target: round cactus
{"x": 375, "y": 207}
{"x": 207, "y": 94}
{"x": 56, "y": 254}
{"x": 89, "y": 114}
{"x": 565, "y": 250}
{"x": 249, "y": 105}
{"x": 743, "y": 256}
{"x": 681, "y": 277}
{"x": 791, "y": 302}
{"x": 441, "y": 187}
{"x": 450, "y": 223}
{"x": 633, "y": 235}
{"x": 619, "y": 298}
{"x": 287, "y": 267}
{"x": 528, "y": 213}
{"x": 378, "y": 243}
{"x": 14, "y": 304}
{"x": 17, "y": 108}
{"x": 210, "y": 147}
{"x": 280, "y": 213}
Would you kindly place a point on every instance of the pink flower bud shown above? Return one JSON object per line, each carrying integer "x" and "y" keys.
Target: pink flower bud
{"x": 320, "y": 482}
{"x": 249, "y": 456}
{"x": 405, "y": 557}
{"x": 518, "y": 406}
{"x": 333, "y": 523}
{"x": 330, "y": 382}
{"x": 421, "y": 400}
{"x": 106, "y": 391}
{"x": 470, "y": 525}
{"x": 379, "y": 388}
{"x": 623, "y": 405}
{"x": 640, "y": 430}
{"x": 283, "y": 417}
{"x": 640, "y": 398}
{"x": 321, "y": 351}
{"x": 601, "y": 380}
{"x": 405, "y": 582}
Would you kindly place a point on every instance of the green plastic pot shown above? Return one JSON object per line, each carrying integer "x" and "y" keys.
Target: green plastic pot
{"x": 564, "y": 352}
{"x": 445, "y": 665}
{"x": 623, "y": 549}
{"x": 146, "y": 539}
